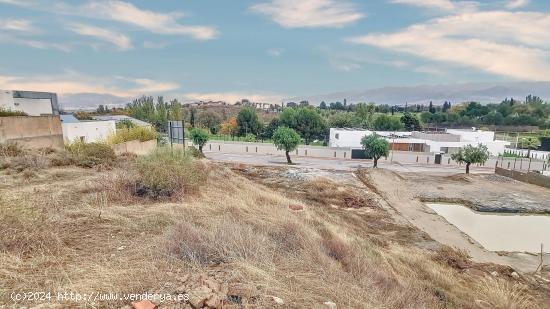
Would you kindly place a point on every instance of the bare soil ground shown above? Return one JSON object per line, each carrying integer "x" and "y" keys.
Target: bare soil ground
{"x": 482, "y": 192}
{"x": 253, "y": 237}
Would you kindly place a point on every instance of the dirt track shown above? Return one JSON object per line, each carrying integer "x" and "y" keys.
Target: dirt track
{"x": 404, "y": 192}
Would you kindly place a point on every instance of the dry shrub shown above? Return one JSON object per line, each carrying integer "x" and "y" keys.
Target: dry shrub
{"x": 336, "y": 248}
{"x": 328, "y": 192}
{"x": 189, "y": 243}
{"x": 453, "y": 257}
{"x": 501, "y": 294}
{"x": 62, "y": 158}
{"x": 29, "y": 162}
{"x": 141, "y": 134}
{"x": 168, "y": 173}
{"x": 25, "y": 232}
{"x": 11, "y": 149}
{"x": 91, "y": 154}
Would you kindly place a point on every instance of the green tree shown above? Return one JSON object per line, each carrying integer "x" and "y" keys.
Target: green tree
{"x": 306, "y": 121}
{"x": 199, "y": 137}
{"x": 375, "y": 147}
{"x": 410, "y": 122}
{"x": 387, "y": 123}
{"x": 286, "y": 139}
{"x": 247, "y": 122}
{"x": 209, "y": 120}
{"x": 529, "y": 143}
{"x": 471, "y": 154}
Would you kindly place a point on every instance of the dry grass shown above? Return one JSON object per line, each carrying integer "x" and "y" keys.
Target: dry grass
{"x": 67, "y": 235}
{"x": 11, "y": 149}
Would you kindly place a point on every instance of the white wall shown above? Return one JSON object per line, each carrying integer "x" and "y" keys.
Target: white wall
{"x": 89, "y": 131}
{"x": 32, "y": 107}
{"x": 347, "y": 138}
{"x": 494, "y": 147}
{"x": 473, "y": 136}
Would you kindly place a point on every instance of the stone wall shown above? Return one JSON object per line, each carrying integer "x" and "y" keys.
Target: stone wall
{"x": 532, "y": 178}
{"x": 32, "y": 132}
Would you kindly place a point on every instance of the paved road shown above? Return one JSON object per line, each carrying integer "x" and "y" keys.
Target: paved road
{"x": 336, "y": 164}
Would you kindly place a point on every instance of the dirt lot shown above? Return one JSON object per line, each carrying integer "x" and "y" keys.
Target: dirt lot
{"x": 250, "y": 237}
{"x": 487, "y": 193}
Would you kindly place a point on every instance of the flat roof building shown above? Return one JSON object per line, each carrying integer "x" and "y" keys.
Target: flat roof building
{"x": 32, "y": 103}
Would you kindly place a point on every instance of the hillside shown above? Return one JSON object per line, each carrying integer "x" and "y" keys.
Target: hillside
{"x": 227, "y": 234}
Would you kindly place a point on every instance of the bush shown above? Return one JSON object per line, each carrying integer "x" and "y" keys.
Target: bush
{"x": 8, "y": 112}
{"x": 11, "y": 149}
{"x": 91, "y": 154}
{"x": 126, "y": 134}
{"x": 168, "y": 173}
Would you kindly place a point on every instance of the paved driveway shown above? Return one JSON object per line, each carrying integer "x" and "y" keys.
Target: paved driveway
{"x": 337, "y": 164}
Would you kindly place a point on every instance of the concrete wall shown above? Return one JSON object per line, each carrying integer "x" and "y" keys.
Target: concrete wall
{"x": 32, "y": 132}
{"x": 404, "y": 157}
{"x": 532, "y": 178}
{"x": 473, "y": 136}
{"x": 33, "y": 103}
{"x": 88, "y": 131}
{"x": 135, "y": 147}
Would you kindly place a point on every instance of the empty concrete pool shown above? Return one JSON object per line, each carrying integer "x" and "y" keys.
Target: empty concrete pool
{"x": 499, "y": 232}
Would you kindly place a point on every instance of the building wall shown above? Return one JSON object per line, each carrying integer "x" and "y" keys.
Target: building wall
{"x": 347, "y": 138}
{"x": 33, "y": 107}
{"x": 31, "y": 102}
{"x": 135, "y": 147}
{"x": 88, "y": 131}
{"x": 473, "y": 136}
{"x": 32, "y": 132}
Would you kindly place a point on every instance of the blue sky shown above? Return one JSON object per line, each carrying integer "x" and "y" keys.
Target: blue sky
{"x": 268, "y": 49}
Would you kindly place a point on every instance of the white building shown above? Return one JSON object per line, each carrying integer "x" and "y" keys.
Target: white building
{"x": 30, "y": 102}
{"x": 447, "y": 142}
{"x": 86, "y": 131}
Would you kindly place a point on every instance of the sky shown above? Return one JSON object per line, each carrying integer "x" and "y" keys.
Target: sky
{"x": 266, "y": 50}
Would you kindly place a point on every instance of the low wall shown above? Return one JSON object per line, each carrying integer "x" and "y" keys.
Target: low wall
{"x": 532, "y": 178}
{"x": 135, "y": 147}
{"x": 32, "y": 132}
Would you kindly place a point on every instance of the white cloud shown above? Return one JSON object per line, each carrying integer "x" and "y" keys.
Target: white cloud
{"x": 309, "y": 13}
{"x": 72, "y": 82}
{"x": 516, "y": 4}
{"x": 121, "y": 41}
{"x": 38, "y": 44}
{"x": 502, "y": 43}
{"x": 19, "y": 25}
{"x": 160, "y": 23}
{"x": 232, "y": 97}
{"x": 124, "y": 12}
{"x": 275, "y": 52}
{"x": 443, "y": 5}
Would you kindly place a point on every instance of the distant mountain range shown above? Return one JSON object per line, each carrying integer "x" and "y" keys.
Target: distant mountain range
{"x": 455, "y": 93}
{"x": 90, "y": 101}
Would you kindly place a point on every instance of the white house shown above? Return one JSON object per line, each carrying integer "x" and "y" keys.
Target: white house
{"x": 86, "y": 131}
{"x": 440, "y": 142}
{"x": 32, "y": 103}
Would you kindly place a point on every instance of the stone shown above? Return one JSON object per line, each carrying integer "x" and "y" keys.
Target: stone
{"x": 213, "y": 285}
{"x": 213, "y": 301}
{"x": 494, "y": 274}
{"x": 330, "y": 305}
{"x": 296, "y": 207}
{"x": 120, "y": 248}
{"x": 515, "y": 275}
{"x": 278, "y": 300}
{"x": 183, "y": 278}
{"x": 198, "y": 296}
{"x": 144, "y": 304}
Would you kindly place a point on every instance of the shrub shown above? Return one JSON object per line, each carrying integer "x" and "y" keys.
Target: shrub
{"x": 91, "y": 154}
{"x": 11, "y": 149}
{"x": 8, "y": 112}
{"x": 127, "y": 134}
{"x": 29, "y": 162}
{"x": 168, "y": 173}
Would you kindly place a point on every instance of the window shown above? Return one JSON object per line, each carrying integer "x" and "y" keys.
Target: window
{"x": 337, "y": 136}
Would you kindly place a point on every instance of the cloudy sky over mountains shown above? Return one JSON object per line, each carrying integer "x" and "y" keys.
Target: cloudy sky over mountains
{"x": 268, "y": 49}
